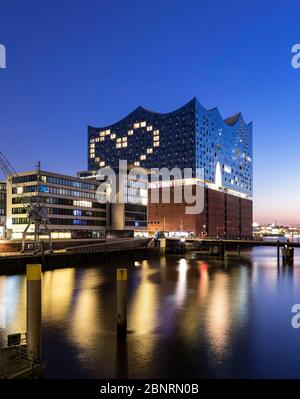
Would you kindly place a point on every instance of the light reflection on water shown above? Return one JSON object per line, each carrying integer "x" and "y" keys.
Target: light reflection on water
{"x": 187, "y": 317}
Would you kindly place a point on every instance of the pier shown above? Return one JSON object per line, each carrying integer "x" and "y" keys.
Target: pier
{"x": 218, "y": 247}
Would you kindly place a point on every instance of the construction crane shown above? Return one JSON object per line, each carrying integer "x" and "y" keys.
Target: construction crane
{"x": 34, "y": 205}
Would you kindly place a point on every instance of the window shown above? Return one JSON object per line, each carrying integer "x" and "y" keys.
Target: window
{"x": 227, "y": 169}
{"x": 86, "y": 204}
{"x": 77, "y": 212}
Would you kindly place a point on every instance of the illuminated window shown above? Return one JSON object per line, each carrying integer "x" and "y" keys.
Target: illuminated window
{"x": 124, "y": 144}
{"x": 119, "y": 140}
{"x": 227, "y": 169}
{"x": 136, "y": 125}
{"x": 97, "y": 139}
{"x": 92, "y": 140}
{"x": 102, "y": 134}
{"x": 156, "y": 138}
{"x": 102, "y": 138}
{"x": 156, "y": 144}
{"x": 149, "y": 150}
{"x": 124, "y": 138}
{"x": 113, "y": 136}
{"x": 119, "y": 145}
{"x": 143, "y": 157}
{"x": 107, "y": 132}
{"x": 156, "y": 132}
{"x": 97, "y": 159}
{"x": 149, "y": 128}
{"x": 93, "y": 145}
{"x": 143, "y": 124}
{"x": 102, "y": 163}
{"x": 136, "y": 163}
{"x": 130, "y": 132}
{"x": 86, "y": 204}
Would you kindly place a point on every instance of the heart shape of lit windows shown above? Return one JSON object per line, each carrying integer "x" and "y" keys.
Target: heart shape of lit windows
{"x": 122, "y": 142}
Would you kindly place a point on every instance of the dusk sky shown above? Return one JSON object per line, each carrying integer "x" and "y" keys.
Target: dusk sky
{"x": 73, "y": 64}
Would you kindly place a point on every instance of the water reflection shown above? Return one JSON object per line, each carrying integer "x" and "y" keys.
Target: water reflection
{"x": 12, "y": 299}
{"x": 58, "y": 288}
{"x": 187, "y": 316}
{"x": 218, "y": 315}
{"x": 83, "y": 321}
{"x": 182, "y": 282}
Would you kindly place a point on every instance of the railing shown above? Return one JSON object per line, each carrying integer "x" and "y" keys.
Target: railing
{"x": 14, "y": 360}
{"x": 120, "y": 245}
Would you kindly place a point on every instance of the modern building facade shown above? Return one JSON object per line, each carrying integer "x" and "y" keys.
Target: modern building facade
{"x": 73, "y": 209}
{"x": 217, "y": 150}
{"x": 130, "y": 212}
{"x": 2, "y": 209}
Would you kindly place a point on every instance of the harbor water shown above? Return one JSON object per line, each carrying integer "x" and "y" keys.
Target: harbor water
{"x": 188, "y": 316}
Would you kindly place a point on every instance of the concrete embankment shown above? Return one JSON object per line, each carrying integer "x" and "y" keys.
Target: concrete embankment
{"x": 76, "y": 255}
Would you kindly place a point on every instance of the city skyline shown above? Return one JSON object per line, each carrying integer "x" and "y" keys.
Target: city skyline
{"x": 107, "y": 69}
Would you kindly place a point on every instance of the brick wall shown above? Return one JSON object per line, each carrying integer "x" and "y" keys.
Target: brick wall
{"x": 224, "y": 216}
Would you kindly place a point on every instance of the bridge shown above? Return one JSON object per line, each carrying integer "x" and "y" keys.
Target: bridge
{"x": 243, "y": 243}
{"x": 217, "y": 247}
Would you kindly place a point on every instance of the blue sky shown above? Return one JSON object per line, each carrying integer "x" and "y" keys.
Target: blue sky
{"x": 70, "y": 64}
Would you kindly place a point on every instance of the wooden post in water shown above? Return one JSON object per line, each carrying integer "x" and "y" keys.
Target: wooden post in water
{"x": 121, "y": 303}
{"x": 278, "y": 254}
{"x": 34, "y": 311}
{"x": 239, "y": 250}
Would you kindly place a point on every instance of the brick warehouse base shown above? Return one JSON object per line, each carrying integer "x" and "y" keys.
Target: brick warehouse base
{"x": 224, "y": 216}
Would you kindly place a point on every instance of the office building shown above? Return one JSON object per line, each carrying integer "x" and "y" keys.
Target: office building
{"x": 128, "y": 213}
{"x": 73, "y": 209}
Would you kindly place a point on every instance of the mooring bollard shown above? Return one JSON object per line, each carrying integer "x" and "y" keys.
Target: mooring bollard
{"x": 34, "y": 310}
{"x": 121, "y": 303}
